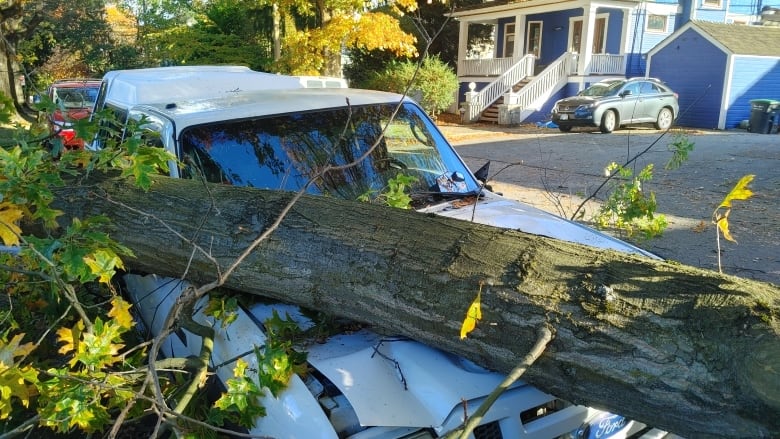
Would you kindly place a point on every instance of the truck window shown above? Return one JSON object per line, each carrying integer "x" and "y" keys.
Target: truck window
{"x": 286, "y": 151}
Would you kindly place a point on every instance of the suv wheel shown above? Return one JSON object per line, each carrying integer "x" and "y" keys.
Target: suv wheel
{"x": 664, "y": 120}
{"x": 564, "y": 128}
{"x": 608, "y": 122}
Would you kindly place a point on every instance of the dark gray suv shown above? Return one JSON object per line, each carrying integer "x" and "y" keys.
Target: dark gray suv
{"x": 613, "y": 103}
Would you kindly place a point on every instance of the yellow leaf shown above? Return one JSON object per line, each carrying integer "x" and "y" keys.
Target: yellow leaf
{"x": 740, "y": 191}
{"x": 70, "y": 337}
{"x": 240, "y": 368}
{"x": 723, "y": 226}
{"x": 120, "y": 311}
{"x": 12, "y": 349}
{"x": 14, "y": 378}
{"x": 103, "y": 264}
{"x": 9, "y": 230}
{"x": 472, "y": 315}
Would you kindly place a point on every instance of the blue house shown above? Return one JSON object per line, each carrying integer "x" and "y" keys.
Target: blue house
{"x": 717, "y": 69}
{"x": 540, "y": 51}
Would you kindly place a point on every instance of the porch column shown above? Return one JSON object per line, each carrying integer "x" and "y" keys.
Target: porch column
{"x": 586, "y": 48}
{"x": 519, "y": 50}
{"x": 463, "y": 40}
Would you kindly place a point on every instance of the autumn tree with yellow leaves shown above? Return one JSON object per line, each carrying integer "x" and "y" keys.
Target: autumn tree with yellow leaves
{"x": 312, "y": 44}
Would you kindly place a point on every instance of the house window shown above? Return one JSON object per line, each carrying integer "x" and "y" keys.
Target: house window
{"x": 656, "y": 23}
{"x": 509, "y": 40}
{"x": 717, "y": 4}
{"x": 533, "y": 42}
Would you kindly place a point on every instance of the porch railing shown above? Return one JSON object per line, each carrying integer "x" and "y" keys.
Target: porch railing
{"x": 550, "y": 80}
{"x": 604, "y": 64}
{"x": 478, "y": 101}
{"x": 485, "y": 67}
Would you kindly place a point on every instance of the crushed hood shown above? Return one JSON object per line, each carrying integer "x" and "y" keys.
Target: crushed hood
{"x": 502, "y": 212}
{"x": 420, "y": 386}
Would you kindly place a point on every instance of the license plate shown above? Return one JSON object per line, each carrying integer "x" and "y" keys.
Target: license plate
{"x": 564, "y": 117}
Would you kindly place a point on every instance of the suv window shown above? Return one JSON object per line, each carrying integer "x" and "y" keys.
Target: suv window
{"x": 649, "y": 88}
{"x": 633, "y": 88}
{"x": 285, "y": 151}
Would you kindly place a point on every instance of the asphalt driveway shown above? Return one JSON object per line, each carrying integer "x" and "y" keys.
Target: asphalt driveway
{"x": 553, "y": 170}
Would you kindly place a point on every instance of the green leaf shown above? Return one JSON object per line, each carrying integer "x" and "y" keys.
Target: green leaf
{"x": 240, "y": 403}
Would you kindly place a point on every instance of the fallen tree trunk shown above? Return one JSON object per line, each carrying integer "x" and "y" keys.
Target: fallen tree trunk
{"x": 680, "y": 348}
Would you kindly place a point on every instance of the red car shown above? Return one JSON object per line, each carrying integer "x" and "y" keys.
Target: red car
{"x": 74, "y": 99}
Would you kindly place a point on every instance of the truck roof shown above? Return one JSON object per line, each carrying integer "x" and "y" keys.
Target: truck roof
{"x": 242, "y": 105}
{"x": 75, "y": 83}
{"x": 140, "y": 86}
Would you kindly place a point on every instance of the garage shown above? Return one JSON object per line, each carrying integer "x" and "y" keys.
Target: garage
{"x": 717, "y": 69}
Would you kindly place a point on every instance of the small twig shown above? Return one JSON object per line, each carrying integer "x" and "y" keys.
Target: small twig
{"x": 545, "y": 335}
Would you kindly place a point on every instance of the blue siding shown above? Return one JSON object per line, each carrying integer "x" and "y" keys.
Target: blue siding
{"x": 640, "y": 42}
{"x": 636, "y": 65}
{"x": 644, "y": 41}
{"x": 745, "y": 7}
{"x": 753, "y": 78}
{"x": 694, "y": 68}
{"x": 715, "y": 15}
{"x": 545, "y": 112}
{"x": 685, "y": 14}
{"x": 554, "y": 42}
{"x": 614, "y": 29}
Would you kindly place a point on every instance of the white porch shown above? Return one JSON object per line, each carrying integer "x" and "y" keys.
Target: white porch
{"x": 600, "y": 64}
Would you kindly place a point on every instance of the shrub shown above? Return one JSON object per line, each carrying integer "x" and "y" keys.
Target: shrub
{"x": 434, "y": 85}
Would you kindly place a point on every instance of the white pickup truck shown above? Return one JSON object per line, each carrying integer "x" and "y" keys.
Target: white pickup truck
{"x": 359, "y": 385}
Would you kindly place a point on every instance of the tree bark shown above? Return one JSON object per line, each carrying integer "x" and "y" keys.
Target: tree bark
{"x": 688, "y": 350}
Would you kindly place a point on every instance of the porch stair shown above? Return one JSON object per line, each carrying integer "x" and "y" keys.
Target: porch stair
{"x": 523, "y": 98}
{"x": 490, "y": 114}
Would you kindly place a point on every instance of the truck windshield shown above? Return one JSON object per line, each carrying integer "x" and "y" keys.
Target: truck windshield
{"x": 74, "y": 97}
{"x": 287, "y": 151}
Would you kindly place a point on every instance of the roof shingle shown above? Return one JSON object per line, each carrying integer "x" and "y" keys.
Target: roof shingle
{"x": 742, "y": 39}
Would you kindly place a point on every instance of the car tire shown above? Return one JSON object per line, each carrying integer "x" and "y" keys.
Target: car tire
{"x": 564, "y": 128}
{"x": 664, "y": 120}
{"x": 608, "y": 122}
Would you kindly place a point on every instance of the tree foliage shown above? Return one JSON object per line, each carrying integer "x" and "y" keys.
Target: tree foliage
{"x": 314, "y": 45}
{"x": 68, "y": 358}
{"x": 432, "y": 83}
{"x": 220, "y": 32}
{"x": 67, "y": 39}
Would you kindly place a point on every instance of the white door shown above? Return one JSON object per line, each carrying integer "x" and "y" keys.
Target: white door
{"x": 599, "y": 35}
